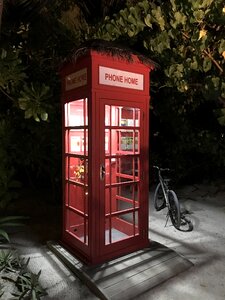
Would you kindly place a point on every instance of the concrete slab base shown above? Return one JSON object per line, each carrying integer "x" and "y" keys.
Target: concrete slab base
{"x": 129, "y": 276}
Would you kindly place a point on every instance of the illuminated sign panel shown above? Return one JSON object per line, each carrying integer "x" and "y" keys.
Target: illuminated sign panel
{"x": 115, "y": 77}
{"x": 77, "y": 79}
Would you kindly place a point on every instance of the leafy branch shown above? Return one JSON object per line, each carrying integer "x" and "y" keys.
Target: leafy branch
{"x": 207, "y": 53}
{"x": 12, "y": 70}
{"x": 7, "y": 95}
{"x": 33, "y": 101}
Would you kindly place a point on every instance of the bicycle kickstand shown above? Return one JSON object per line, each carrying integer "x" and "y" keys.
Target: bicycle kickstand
{"x": 167, "y": 218}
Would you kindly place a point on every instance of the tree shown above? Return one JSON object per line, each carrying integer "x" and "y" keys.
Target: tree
{"x": 34, "y": 41}
{"x": 186, "y": 38}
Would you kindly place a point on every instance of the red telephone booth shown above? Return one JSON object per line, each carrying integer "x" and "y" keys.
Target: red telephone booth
{"x": 105, "y": 155}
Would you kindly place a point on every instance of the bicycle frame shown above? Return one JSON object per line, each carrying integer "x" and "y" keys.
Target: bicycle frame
{"x": 170, "y": 201}
{"x": 164, "y": 185}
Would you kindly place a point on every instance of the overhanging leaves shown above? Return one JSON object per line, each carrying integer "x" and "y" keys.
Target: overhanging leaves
{"x": 33, "y": 101}
{"x": 12, "y": 70}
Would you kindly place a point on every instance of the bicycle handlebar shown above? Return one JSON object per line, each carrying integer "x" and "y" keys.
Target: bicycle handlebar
{"x": 161, "y": 169}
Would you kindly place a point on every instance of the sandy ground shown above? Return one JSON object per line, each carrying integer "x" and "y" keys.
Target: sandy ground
{"x": 204, "y": 247}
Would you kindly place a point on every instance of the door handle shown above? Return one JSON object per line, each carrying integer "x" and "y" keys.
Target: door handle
{"x": 102, "y": 172}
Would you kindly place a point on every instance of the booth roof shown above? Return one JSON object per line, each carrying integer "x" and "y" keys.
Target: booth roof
{"x": 112, "y": 49}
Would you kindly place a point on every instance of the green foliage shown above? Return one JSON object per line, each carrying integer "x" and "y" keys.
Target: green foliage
{"x": 221, "y": 116}
{"x": 35, "y": 40}
{"x": 186, "y": 38}
{"x": 34, "y": 101}
{"x": 12, "y": 70}
{"x": 29, "y": 287}
{"x": 9, "y": 261}
{"x": 27, "y": 283}
{"x": 170, "y": 35}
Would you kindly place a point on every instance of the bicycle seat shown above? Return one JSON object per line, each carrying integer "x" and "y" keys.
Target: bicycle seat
{"x": 165, "y": 169}
{"x": 167, "y": 180}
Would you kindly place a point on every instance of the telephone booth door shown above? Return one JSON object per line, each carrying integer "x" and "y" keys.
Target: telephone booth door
{"x": 123, "y": 210}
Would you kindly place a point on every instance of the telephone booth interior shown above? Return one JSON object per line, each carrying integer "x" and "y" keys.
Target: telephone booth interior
{"x": 105, "y": 155}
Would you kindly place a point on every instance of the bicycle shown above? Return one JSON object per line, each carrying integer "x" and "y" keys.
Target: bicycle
{"x": 165, "y": 197}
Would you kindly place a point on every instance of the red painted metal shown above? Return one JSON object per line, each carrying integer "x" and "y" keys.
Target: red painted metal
{"x": 105, "y": 156}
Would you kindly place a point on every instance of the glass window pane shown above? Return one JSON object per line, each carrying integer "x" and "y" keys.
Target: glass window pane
{"x": 127, "y": 141}
{"x": 76, "y": 141}
{"x": 137, "y": 142}
{"x": 123, "y": 205}
{"x": 78, "y": 169}
{"x": 78, "y": 197}
{"x": 114, "y": 202}
{"x": 107, "y": 115}
{"x": 122, "y": 116}
{"x": 115, "y": 115}
{"x": 119, "y": 170}
{"x": 120, "y": 227}
{"x": 85, "y": 111}
{"x": 77, "y": 225}
{"x": 107, "y": 200}
{"x": 121, "y": 198}
{"x": 136, "y": 222}
{"x": 115, "y": 137}
{"x": 129, "y": 191}
{"x": 128, "y": 223}
{"x": 112, "y": 234}
{"x": 129, "y": 116}
{"x": 121, "y": 141}
{"x": 137, "y": 114}
{"x": 108, "y": 172}
{"x": 107, "y": 141}
{"x": 125, "y": 165}
{"x": 76, "y": 113}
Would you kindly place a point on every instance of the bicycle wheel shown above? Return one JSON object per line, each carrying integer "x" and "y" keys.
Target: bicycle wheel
{"x": 174, "y": 209}
{"x": 159, "y": 200}
{"x": 186, "y": 224}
